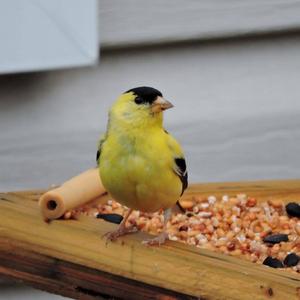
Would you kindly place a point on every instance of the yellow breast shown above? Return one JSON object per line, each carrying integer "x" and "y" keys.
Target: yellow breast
{"x": 139, "y": 172}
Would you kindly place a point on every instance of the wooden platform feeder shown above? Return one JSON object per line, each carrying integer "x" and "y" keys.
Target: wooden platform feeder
{"x": 69, "y": 258}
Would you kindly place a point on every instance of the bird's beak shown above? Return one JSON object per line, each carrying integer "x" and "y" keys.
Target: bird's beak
{"x": 160, "y": 104}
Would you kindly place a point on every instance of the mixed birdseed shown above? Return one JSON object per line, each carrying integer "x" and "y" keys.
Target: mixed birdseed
{"x": 263, "y": 232}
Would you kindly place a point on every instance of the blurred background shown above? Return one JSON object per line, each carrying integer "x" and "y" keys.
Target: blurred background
{"x": 231, "y": 68}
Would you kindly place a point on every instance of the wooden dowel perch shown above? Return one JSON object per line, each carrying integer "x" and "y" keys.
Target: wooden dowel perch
{"x": 73, "y": 193}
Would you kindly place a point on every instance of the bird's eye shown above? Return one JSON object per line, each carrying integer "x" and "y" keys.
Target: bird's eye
{"x": 138, "y": 100}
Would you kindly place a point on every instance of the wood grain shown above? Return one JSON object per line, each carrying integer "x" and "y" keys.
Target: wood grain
{"x": 71, "y": 259}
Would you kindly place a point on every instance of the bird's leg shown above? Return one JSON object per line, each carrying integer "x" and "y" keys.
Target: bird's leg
{"x": 163, "y": 236}
{"x": 122, "y": 229}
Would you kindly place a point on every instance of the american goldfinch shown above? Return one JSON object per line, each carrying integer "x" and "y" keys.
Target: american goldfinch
{"x": 141, "y": 165}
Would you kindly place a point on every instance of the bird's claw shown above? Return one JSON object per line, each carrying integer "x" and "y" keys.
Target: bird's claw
{"x": 113, "y": 235}
{"x": 157, "y": 241}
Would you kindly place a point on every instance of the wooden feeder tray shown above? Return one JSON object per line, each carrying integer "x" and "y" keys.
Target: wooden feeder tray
{"x": 70, "y": 258}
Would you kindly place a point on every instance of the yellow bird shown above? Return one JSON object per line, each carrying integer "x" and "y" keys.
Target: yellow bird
{"x": 141, "y": 165}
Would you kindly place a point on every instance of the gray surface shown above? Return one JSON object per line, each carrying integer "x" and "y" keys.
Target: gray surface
{"x": 237, "y": 114}
{"x": 131, "y": 22}
{"x": 20, "y": 292}
{"x": 41, "y": 34}
{"x": 236, "y": 111}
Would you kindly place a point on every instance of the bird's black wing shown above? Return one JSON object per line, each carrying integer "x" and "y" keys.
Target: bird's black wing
{"x": 179, "y": 162}
{"x": 101, "y": 141}
{"x": 181, "y": 171}
{"x": 98, "y": 156}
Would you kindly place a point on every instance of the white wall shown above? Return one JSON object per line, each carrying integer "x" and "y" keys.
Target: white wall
{"x": 236, "y": 111}
{"x": 43, "y": 35}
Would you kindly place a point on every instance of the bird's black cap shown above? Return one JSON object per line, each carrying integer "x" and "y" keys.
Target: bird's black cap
{"x": 145, "y": 94}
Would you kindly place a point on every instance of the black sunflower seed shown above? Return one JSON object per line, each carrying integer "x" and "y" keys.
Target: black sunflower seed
{"x": 273, "y": 262}
{"x": 113, "y": 218}
{"x": 276, "y": 238}
{"x": 183, "y": 228}
{"x": 291, "y": 260}
{"x": 293, "y": 209}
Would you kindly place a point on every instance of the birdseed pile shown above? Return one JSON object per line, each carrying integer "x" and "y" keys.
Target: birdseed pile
{"x": 262, "y": 232}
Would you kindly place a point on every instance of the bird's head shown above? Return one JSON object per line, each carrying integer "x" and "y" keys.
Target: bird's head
{"x": 142, "y": 106}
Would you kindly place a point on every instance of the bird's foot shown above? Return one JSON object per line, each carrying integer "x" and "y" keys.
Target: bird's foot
{"x": 158, "y": 240}
{"x": 113, "y": 235}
